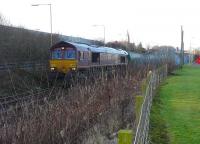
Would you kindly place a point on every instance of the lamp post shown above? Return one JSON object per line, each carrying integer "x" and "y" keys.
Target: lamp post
{"x": 104, "y": 31}
{"x": 50, "y": 18}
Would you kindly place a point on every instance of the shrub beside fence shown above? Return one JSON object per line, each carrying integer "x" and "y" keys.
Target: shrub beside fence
{"x": 154, "y": 78}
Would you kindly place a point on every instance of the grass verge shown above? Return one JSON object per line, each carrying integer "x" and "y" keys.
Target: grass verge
{"x": 175, "y": 114}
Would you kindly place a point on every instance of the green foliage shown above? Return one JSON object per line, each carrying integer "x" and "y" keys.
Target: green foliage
{"x": 145, "y": 82}
{"x": 140, "y": 98}
{"x": 138, "y": 106}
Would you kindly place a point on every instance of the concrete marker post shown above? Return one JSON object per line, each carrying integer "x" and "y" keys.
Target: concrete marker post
{"x": 125, "y": 137}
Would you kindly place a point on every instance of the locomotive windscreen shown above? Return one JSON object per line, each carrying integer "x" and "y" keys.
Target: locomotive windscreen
{"x": 63, "y": 53}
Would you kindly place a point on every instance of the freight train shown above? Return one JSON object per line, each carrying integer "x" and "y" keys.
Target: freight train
{"x": 68, "y": 58}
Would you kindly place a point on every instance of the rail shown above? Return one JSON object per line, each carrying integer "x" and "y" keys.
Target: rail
{"x": 17, "y": 101}
{"x": 155, "y": 77}
{"x": 22, "y": 65}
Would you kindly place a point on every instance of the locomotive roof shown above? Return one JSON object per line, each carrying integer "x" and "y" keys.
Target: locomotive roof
{"x": 85, "y": 47}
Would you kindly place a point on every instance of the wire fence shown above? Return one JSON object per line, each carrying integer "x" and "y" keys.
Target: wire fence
{"x": 153, "y": 80}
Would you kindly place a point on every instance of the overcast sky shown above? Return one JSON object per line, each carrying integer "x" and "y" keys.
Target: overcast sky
{"x": 152, "y": 22}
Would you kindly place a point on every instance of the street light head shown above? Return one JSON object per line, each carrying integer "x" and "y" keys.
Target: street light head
{"x": 35, "y": 5}
{"x": 40, "y": 4}
{"x": 95, "y": 25}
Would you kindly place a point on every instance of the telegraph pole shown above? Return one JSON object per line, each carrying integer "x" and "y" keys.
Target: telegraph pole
{"x": 128, "y": 41}
{"x": 128, "y": 37}
{"x": 182, "y": 47}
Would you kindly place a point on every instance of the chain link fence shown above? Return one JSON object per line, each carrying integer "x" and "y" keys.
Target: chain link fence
{"x": 154, "y": 78}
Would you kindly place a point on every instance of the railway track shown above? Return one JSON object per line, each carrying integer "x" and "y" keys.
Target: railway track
{"x": 24, "y": 65}
{"x": 17, "y": 101}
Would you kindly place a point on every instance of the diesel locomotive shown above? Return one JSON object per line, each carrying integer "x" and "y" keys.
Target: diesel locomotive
{"x": 68, "y": 57}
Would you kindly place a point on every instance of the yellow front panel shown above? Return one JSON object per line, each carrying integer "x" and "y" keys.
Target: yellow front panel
{"x": 63, "y": 66}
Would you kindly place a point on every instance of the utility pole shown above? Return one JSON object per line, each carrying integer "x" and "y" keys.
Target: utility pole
{"x": 182, "y": 47}
{"x": 128, "y": 37}
{"x": 128, "y": 41}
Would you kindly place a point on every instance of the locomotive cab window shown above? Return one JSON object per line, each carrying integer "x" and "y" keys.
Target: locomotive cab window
{"x": 95, "y": 57}
{"x": 122, "y": 59}
{"x": 69, "y": 54}
{"x": 57, "y": 54}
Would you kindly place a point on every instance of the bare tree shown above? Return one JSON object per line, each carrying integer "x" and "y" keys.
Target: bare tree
{"x": 3, "y": 20}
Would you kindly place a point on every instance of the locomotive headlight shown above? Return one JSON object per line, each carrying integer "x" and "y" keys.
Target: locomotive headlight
{"x": 73, "y": 68}
{"x": 52, "y": 68}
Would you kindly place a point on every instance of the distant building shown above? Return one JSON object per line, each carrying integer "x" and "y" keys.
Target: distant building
{"x": 188, "y": 56}
{"x": 196, "y": 52}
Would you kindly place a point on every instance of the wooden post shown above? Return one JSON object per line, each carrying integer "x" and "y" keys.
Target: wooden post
{"x": 125, "y": 137}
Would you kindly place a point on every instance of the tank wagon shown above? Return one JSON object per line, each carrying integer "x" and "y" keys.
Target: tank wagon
{"x": 68, "y": 57}
{"x": 138, "y": 59}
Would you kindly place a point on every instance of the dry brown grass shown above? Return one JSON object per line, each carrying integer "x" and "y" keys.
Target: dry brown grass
{"x": 74, "y": 111}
